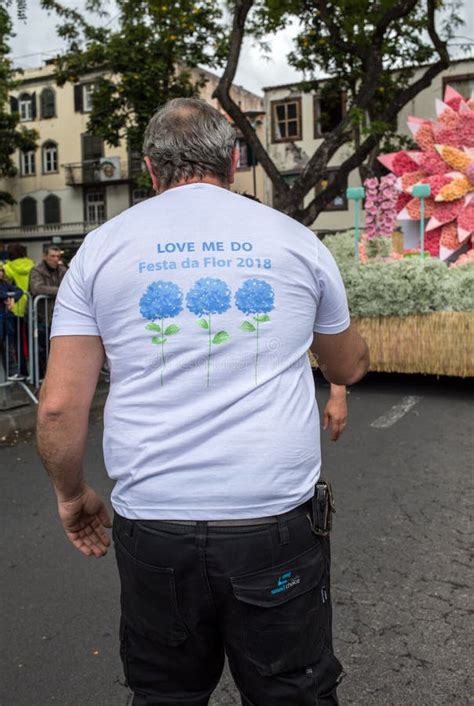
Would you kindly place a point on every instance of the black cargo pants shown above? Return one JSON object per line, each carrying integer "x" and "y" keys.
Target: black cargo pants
{"x": 259, "y": 593}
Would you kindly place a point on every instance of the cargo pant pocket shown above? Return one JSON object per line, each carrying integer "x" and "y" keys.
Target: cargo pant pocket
{"x": 283, "y": 613}
{"x": 148, "y": 599}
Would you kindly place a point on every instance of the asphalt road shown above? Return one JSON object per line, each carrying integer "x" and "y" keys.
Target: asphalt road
{"x": 402, "y": 586}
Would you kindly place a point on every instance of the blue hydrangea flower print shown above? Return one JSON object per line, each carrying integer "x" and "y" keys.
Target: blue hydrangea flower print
{"x": 257, "y": 297}
{"x": 162, "y": 300}
{"x": 209, "y": 296}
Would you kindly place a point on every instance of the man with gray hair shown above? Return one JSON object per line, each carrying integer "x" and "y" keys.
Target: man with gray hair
{"x": 210, "y": 428}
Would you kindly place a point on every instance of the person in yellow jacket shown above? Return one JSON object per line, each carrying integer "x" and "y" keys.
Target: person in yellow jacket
{"x": 17, "y": 270}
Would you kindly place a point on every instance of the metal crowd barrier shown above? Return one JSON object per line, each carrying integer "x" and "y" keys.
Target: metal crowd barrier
{"x": 17, "y": 366}
{"x": 36, "y": 326}
{"x": 40, "y": 328}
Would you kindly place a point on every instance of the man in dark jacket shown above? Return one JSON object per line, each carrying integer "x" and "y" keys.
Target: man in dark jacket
{"x": 45, "y": 279}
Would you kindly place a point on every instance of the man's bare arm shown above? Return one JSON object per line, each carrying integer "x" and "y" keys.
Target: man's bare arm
{"x": 343, "y": 358}
{"x": 63, "y": 415}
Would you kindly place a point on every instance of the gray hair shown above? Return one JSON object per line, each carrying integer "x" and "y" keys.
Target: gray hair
{"x": 188, "y": 138}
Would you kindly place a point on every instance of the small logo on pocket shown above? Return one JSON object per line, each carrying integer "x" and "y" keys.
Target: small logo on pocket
{"x": 285, "y": 581}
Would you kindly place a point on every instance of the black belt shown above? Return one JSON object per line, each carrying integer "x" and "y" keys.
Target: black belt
{"x": 249, "y": 522}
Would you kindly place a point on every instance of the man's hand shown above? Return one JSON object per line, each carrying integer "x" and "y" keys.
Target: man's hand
{"x": 335, "y": 412}
{"x": 84, "y": 519}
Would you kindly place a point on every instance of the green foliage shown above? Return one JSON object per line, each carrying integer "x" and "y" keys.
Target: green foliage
{"x": 402, "y": 287}
{"x": 12, "y": 137}
{"x": 138, "y": 58}
{"x": 369, "y": 49}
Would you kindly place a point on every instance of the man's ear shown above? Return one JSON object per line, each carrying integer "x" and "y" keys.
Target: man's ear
{"x": 235, "y": 162}
{"x": 154, "y": 179}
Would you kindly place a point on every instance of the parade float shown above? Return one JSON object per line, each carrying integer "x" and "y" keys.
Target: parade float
{"x": 409, "y": 274}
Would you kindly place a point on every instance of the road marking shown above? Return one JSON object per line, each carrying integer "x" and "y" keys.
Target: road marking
{"x": 396, "y": 413}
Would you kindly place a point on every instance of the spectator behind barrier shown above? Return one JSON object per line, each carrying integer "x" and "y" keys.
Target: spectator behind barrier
{"x": 18, "y": 269}
{"x": 9, "y": 294}
{"x": 45, "y": 279}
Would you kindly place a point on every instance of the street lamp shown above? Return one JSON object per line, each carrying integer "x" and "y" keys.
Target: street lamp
{"x": 422, "y": 191}
{"x": 356, "y": 194}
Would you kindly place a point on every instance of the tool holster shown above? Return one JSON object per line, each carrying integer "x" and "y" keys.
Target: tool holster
{"x": 322, "y": 507}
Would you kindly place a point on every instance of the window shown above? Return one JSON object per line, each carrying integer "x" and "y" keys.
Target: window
{"x": 50, "y": 157}
{"x": 52, "y": 209}
{"x": 27, "y": 163}
{"x": 28, "y": 212}
{"x": 48, "y": 103}
{"x": 463, "y": 84}
{"x": 27, "y": 106}
{"x": 95, "y": 207}
{"x": 246, "y": 154}
{"x": 329, "y": 109}
{"x": 92, "y": 147}
{"x": 286, "y": 120}
{"x": 88, "y": 92}
{"x": 339, "y": 203}
{"x": 83, "y": 97}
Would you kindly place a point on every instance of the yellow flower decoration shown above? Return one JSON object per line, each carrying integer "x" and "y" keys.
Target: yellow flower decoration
{"x": 457, "y": 159}
{"x": 455, "y": 189}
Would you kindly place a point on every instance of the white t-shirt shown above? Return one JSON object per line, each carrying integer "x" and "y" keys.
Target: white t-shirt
{"x": 206, "y": 303}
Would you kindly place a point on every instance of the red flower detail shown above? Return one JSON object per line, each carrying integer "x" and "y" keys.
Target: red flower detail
{"x": 403, "y": 163}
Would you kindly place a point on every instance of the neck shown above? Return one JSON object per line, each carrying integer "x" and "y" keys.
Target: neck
{"x": 208, "y": 179}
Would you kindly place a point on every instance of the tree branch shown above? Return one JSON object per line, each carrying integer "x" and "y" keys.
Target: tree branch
{"x": 318, "y": 204}
{"x": 222, "y": 93}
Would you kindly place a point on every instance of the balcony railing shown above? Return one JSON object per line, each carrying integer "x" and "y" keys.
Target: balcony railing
{"x": 106, "y": 170}
{"x": 50, "y": 230}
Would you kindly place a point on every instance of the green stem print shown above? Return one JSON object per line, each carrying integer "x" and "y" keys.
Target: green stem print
{"x": 255, "y": 296}
{"x": 161, "y": 339}
{"x": 249, "y": 327}
{"x": 161, "y": 300}
{"x": 209, "y": 295}
{"x": 256, "y": 358}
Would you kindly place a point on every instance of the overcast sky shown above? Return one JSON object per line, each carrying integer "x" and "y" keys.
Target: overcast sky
{"x": 36, "y": 40}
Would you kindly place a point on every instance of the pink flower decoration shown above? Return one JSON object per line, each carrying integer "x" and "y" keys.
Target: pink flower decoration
{"x": 449, "y": 222}
{"x": 449, "y": 119}
{"x": 403, "y": 163}
{"x": 446, "y": 211}
{"x": 448, "y": 136}
{"x": 433, "y": 163}
{"x": 424, "y": 137}
{"x": 410, "y": 179}
{"x": 436, "y": 183}
{"x": 432, "y": 239}
{"x": 402, "y": 201}
{"x": 455, "y": 103}
{"x": 470, "y": 172}
{"x": 466, "y": 218}
{"x": 371, "y": 183}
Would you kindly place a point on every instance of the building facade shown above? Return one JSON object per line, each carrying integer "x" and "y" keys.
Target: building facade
{"x": 296, "y": 123}
{"x": 73, "y": 180}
